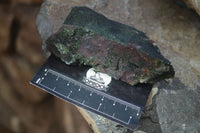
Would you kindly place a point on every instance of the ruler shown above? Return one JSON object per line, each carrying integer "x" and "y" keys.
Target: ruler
{"x": 119, "y": 102}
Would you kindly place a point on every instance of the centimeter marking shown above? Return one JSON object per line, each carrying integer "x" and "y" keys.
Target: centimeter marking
{"x": 104, "y": 95}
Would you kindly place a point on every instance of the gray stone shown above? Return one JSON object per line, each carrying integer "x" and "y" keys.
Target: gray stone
{"x": 107, "y": 126}
{"x": 178, "y": 108}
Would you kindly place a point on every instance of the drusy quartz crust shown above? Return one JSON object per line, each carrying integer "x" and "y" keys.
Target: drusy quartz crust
{"x": 77, "y": 45}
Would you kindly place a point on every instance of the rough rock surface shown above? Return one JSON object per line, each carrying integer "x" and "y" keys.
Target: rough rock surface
{"x": 175, "y": 30}
{"x": 194, "y": 4}
{"x": 5, "y": 25}
{"x": 23, "y": 107}
{"x": 28, "y": 2}
{"x": 127, "y": 62}
{"x": 29, "y": 47}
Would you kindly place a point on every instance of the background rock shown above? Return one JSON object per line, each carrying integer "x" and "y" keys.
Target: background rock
{"x": 28, "y": 45}
{"x": 22, "y": 1}
{"x": 177, "y": 108}
{"x": 5, "y": 24}
{"x": 194, "y": 4}
{"x": 19, "y": 72}
{"x": 23, "y": 107}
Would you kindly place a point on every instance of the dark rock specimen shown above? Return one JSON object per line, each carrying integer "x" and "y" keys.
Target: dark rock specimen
{"x": 120, "y": 51}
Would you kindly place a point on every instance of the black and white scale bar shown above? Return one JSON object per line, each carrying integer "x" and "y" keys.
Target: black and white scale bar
{"x": 121, "y": 103}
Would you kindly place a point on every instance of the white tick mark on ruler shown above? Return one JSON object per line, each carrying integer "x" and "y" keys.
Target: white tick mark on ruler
{"x": 79, "y": 89}
{"x": 102, "y": 98}
{"x": 113, "y": 115}
{"x": 83, "y": 102}
{"x": 114, "y": 103}
{"x": 138, "y": 113}
{"x": 54, "y": 88}
{"x": 126, "y": 108}
{"x": 38, "y": 80}
{"x": 99, "y": 106}
{"x": 45, "y": 70}
{"x": 129, "y": 119}
{"x": 57, "y": 78}
{"x": 69, "y": 94}
{"x": 42, "y": 78}
{"x": 90, "y": 94}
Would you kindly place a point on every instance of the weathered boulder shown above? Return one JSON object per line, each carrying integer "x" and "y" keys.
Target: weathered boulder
{"x": 23, "y": 107}
{"x": 194, "y": 4}
{"x": 28, "y": 45}
{"x": 5, "y": 26}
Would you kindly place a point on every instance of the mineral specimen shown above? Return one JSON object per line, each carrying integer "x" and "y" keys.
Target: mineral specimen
{"x": 121, "y": 51}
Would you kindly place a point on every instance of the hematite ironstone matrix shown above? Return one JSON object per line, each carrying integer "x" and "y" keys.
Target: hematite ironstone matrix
{"x": 113, "y": 48}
